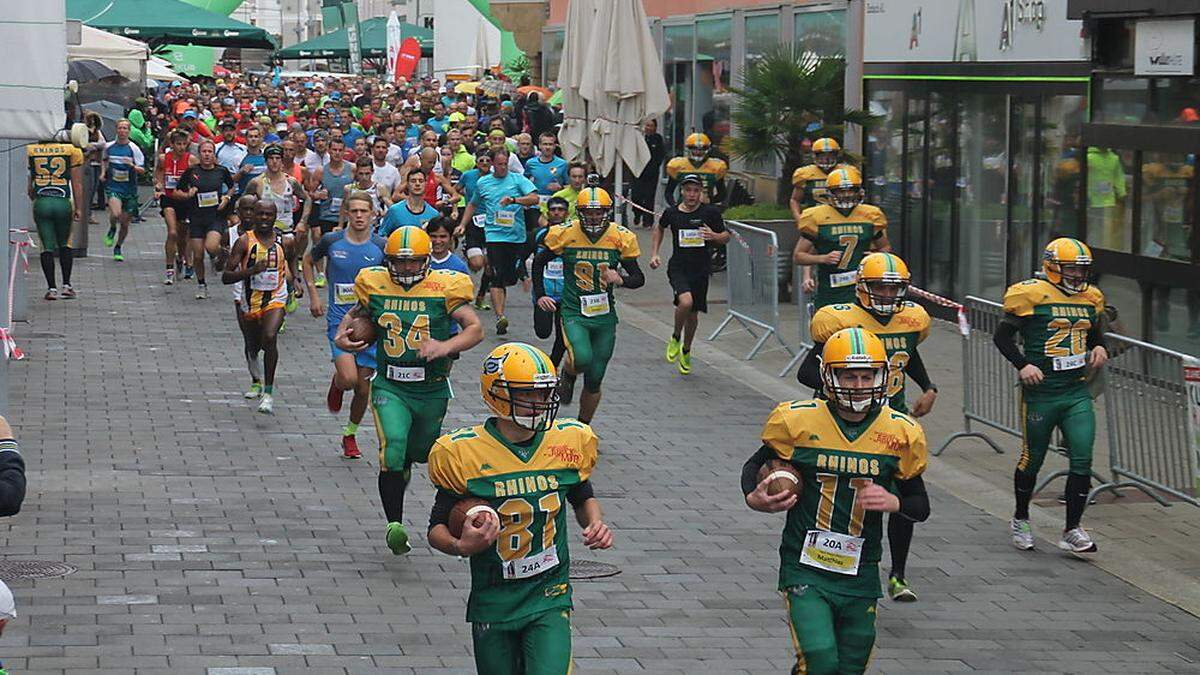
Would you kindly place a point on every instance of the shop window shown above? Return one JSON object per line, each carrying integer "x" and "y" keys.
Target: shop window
{"x": 1124, "y": 295}
{"x": 678, "y": 49}
{"x": 1174, "y": 100}
{"x": 1175, "y": 319}
{"x": 884, "y": 155}
{"x": 983, "y": 183}
{"x": 1109, "y": 203}
{"x": 821, "y": 32}
{"x": 1062, "y": 166}
{"x": 714, "y": 49}
{"x": 762, "y": 35}
{"x": 552, "y": 47}
{"x": 1020, "y": 189}
{"x": 1122, "y": 100}
{"x": 913, "y": 241}
{"x": 941, "y": 185}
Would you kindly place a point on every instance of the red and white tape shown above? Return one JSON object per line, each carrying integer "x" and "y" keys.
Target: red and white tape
{"x": 20, "y": 240}
{"x": 964, "y": 327}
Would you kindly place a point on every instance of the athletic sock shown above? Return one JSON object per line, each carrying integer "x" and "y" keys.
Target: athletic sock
{"x": 391, "y": 492}
{"x": 268, "y": 389}
{"x": 675, "y": 337}
{"x": 66, "y": 259}
{"x": 1077, "y": 493}
{"x": 1023, "y": 490}
{"x": 350, "y": 429}
{"x": 47, "y": 259}
{"x": 899, "y": 532}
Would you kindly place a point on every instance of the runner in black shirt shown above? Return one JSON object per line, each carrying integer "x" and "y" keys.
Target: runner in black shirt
{"x": 694, "y": 228}
{"x": 209, "y": 186}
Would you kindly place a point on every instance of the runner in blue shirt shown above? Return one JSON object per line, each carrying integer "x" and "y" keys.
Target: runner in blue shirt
{"x": 552, "y": 278}
{"x": 413, "y": 210}
{"x": 440, "y": 231}
{"x": 254, "y": 164}
{"x": 547, "y": 171}
{"x": 346, "y": 252}
{"x": 120, "y": 166}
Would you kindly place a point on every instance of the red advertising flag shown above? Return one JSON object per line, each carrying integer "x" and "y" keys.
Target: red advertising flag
{"x": 406, "y": 60}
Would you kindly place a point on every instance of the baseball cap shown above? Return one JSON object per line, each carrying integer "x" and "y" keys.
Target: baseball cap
{"x": 457, "y": 117}
{"x": 273, "y": 151}
{"x": 189, "y": 114}
{"x": 227, "y": 122}
{"x": 691, "y": 178}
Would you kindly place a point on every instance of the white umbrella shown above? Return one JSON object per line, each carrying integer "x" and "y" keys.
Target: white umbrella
{"x": 484, "y": 57}
{"x": 394, "y": 36}
{"x": 574, "y": 132}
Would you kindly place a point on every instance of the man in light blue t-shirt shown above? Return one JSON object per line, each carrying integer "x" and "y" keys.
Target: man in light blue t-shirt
{"x": 412, "y": 210}
{"x": 547, "y": 171}
{"x": 502, "y": 196}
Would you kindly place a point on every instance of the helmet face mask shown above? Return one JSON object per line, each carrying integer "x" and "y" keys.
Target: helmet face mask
{"x": 1067, "y": 263}
{"x": 885, "y": 296}
{"x": 406, "y": 255}
{"x": 846, "y": 198}
{"x": 826, "y": 160}
{"x": 531, "y": 405}
{"x": 1076, "y": 276}
{"x": 854, "y": 387}
{"x": 698, "y": 147}
{"x": 594, "y": 221}
{"x": 407, "y": 270}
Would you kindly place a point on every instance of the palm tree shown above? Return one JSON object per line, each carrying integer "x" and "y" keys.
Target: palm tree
{"x": 787, "y": 96}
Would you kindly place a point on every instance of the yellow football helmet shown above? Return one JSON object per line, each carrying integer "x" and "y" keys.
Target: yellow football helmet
{"x": 519, "y": 383}
{"x": 855, "y": 349}
{"x": 405, "y": 245}
{"x": 697, "y": 146}
{"x": 826, "y": 153}
{"x": 593, "y": 206}
{"x": 1067, "y": 263}
{"x": 844, "y": 185}
{"x": 883, "y": 281}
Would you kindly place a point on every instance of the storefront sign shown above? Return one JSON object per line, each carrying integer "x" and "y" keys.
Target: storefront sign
{"x": 1164, "y": 47}
{"x": 1191, "y": 380}
{"x": 900, "y": 31}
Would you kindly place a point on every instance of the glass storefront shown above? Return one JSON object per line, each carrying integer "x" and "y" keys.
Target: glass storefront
{"x": 552, "y": 47}
{"x": 678, "y": 52}
{"x": 714, "y": 54}
{"x": 822, "y": 32}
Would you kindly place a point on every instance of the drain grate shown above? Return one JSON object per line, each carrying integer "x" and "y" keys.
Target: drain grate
{"x": 12, "y": 570}
{"x": 591, "y": 569}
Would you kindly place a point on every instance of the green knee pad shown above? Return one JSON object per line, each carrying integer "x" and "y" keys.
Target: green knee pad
{"x": 536, "y": 645}
{"x": 833, "y": 634}
{"x": 406, "y": 425}
{"x": 1072, "y": 414}
{"x": 53, "y": 216}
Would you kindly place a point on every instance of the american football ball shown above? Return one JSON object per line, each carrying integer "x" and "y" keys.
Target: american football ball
{"x": 362, "y": 328}
{"x": 472, "y": 507}
{"x": 782, "y": 476}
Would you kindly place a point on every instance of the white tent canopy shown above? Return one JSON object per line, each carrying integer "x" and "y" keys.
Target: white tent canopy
{"x": 160, "y": 69}
{"x": 34, "y": 36}
{"x": 122, "y": 54}
{"x": 461, "y": 38}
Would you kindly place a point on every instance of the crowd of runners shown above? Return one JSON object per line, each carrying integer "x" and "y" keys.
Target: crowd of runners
{"x": 402, "y": 212}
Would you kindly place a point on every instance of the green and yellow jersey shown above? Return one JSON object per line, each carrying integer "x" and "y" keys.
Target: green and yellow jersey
{"x": 584, "y": 297}
{"x": 404, "y": 317}
{"x": 811, "y": 181}
{"x": 852, "y": 234}
{"x": 901, "y": 334}
{"x": 50, "y": 166}
{"x": 1054, "y": 329}
{"x": 526, "y": 571}
{"x": 712, "y": 170}
{"x": 829, "y": 540}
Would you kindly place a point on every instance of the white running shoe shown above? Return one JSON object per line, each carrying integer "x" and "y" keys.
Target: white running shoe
{"x": 1022, "y": 534}
{"x": 169, "y": 280}
{"x": 1077, "y": 541}
{"x": 267, "y": 406}
{"x": 202, "y": 292}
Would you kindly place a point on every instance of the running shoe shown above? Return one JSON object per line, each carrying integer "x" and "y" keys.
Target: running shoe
{"x": 482, "y": 305}
{"x": 350, "y": 448}
{"x": 202, "y": 292}
{"x": 188, "y": 272}
{"x": 267, "y": 405}
{"x": 397, "y": 538}
{"x": 1022, "y": 534}
{"x": 566, "y": 388}
{"x": 117, "y": 255}
{"x": 673, "y": 348}
{"x": 685, "y": 363}
{"x": 1077, "y": 541}
{"x": 333, "y": 398}
{"x": 169, "y": 280}
{"x": 502, "y": 326}
{"x": 319, "y": 282}
{"x": 254, "y": 391}
{"x": 899, "y": 591}
{"x": 51, "y": 294}
{"x": 111, "y": 237}
{"x": 291, "y": 305}
{"x": 68, "y": 293}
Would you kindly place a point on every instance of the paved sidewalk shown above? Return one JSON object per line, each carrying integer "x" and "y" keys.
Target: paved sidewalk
{"x": 210, "y": 539}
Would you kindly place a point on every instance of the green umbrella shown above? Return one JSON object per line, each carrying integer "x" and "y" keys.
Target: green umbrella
{"x": 372, "y": 41}
{"x": 161, "y": 22}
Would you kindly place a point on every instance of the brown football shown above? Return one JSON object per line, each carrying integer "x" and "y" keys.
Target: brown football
{"x": 783, "y": 477}
{"x": 472, "y": 507}
{"x": 362, "y": 327}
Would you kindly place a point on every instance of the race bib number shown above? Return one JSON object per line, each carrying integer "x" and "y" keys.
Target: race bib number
{"x": 506, "y": 219}
{"x": 554, "y": 270}
{"x": 343, "y": 294}
{"x": 690, "y": 239}
{"x": 542, "y": 199}
{"x": 479, "y": 220}
{"x": 594, "y": 305}
{"x": 335, "y": 204}
{"x": 267, "y": 280}
{"x": 171, "y": 182}
{"x": 406, "y": 373}
{"x": 1069, "y": 362}
{"x": 832, "y": 552}
{"x": 523, "y": 568}
{"x": 119, "y": 174}
{"x": 207, "y": 199}
{"x": 843, "y": 279}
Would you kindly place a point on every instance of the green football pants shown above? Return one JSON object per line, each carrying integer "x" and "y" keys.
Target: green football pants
{"x": 406, "y": 425}
{"x": 536, "y": 645}
{"x": 833, "y": 633}
{"x": 590, "y": 347}
{"x": 1072, "y": 413}
{"x": 53, "y": 216}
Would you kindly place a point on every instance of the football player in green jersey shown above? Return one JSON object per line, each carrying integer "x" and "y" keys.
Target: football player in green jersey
{"x": 1057, "y": 319}
{"x": 857, "y": 459}
{"x": 411, "y": 308}
{"x": 525, "y": 464}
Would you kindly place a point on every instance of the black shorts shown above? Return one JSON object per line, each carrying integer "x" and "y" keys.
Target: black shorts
{"x": 503, "y": 258}
{"x": 180, "y": 206}
{"x": 198, "y": 228}
{"x": 474, "y": 238}
{"x": 326, "y": 226}
{"x": 695, "y": 282}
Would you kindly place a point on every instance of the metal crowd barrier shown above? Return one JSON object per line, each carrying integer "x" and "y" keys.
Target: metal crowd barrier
{"x": 804, "y": 310}
{"x": 753, "y": 274}
{"x": 1151, "y": 412}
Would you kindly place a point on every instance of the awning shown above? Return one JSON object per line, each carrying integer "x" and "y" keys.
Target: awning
{"x": 168, "y": 22}
{"x": 372, "y": 40}
{"x": 123, "y": 54}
